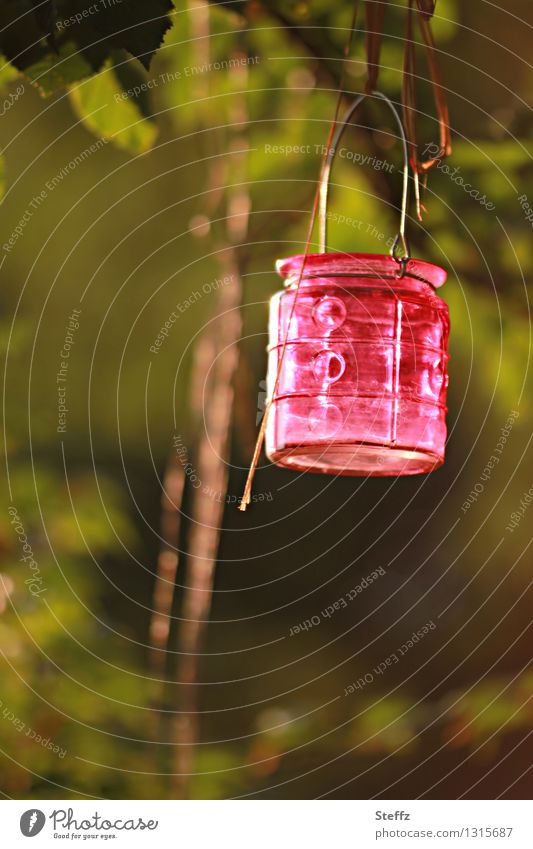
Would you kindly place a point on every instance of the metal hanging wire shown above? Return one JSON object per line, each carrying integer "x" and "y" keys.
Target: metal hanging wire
{"x": 321, "y": 208}
{"x": 401, "y": 241}
{"x": 374, "y": 17}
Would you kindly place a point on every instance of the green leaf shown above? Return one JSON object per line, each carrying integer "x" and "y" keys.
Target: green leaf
{"x": 21, "y": 33}
{"x": 135, "y": 25}
{"x": 58, "y": 44}
{"x": 53, "y": 71}
{"x": 112, "y": 113}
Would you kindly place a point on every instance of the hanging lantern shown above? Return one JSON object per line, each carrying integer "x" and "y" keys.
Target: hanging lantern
{"x": 358, "y": 356}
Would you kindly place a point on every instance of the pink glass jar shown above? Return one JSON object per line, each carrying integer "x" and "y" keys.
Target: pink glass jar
{"x": 362, "y": 385}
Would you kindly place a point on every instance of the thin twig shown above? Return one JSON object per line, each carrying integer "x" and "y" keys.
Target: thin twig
{"x": 174, "y": 479}
{"x": 167, "y": 562}
{"x": 213, "y": 404}
{"x": 245, "y": 501}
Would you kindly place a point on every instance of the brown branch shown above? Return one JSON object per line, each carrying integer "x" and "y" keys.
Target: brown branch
{"x": 212, "y": 403}
{"x": 374, "y": 24}
{"x": 206, "y": 516}
{"x": 440, "y": 98}
{"x": 374, "y": 19}
{"x": 208, "y": 455}
{"x": 174, "y": 478}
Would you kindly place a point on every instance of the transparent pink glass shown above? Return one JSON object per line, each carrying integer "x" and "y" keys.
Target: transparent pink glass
{"x": 362, "y": 387}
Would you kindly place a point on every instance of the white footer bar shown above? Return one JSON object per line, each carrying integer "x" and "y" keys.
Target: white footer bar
{"x": 267, "y": 824}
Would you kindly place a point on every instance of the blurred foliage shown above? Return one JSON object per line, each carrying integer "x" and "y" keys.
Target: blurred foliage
{"x": 128, "y": 236}
{"x": 62, "y": 677}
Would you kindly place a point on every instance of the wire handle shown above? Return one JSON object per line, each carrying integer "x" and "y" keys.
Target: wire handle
{"x": 401, "y": 240}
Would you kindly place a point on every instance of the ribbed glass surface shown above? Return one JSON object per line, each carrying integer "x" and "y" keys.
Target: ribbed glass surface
{"x": 362, "y": 388}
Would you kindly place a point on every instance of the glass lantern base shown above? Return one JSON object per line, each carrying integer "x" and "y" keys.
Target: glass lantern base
{"x": 356, "y": 460}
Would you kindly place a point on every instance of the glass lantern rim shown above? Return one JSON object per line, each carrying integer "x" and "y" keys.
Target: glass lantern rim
{"x": 359, "y": 265}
